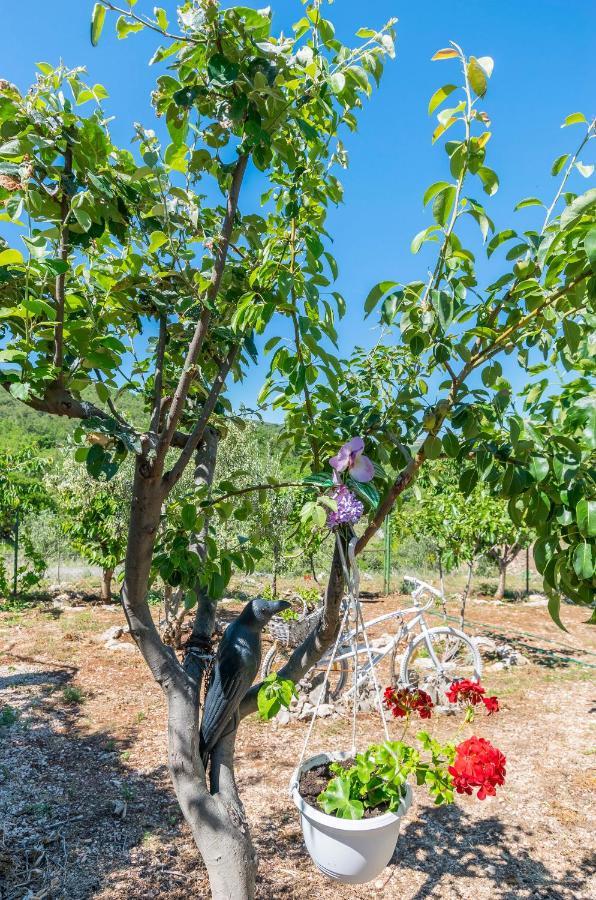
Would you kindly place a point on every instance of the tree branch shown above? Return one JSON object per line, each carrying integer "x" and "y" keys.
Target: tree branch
{"x": 128, "y": 14}
{"x": 63, "y": 249}
{"x": 202, "y": 326}
{"x": 158, "y": 377}
{"x": 171, "y": 477}
{"x": 316, "y": 643}
{"x": 256, "y": 487}
{"x": 499, "y": 342}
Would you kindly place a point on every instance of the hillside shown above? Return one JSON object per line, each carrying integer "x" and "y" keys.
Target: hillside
{"x": 21, "y": 426}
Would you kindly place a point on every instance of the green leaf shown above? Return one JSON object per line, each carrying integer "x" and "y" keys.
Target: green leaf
{"x": 529, "y": 201}
{"x": 336, "y": 799}
{"x": 582, "y": 561}
{"x": 585, "y": 515}
{"x": 578, "y": 207}
{"x": 499, "y": 239}
{"x": 575, "y": 119}
{"x": 573, "y": 334}
{"x": 423, "y": 236}
{"x": 477, "y": 77}
{"x": 367, "y": 492}
{"x": 20, "y": 390}
{"x": 376, "y": 293}
{"x": 318, "y": 480}
{"x": 554, "y": 608}
{"x": 124, "y": 27}
{"x": 583, "y": 169}
{"x": 83, "y": 218}
{"x": 432, "y": 447}
{"x": 538, "y": 467}
{"x": 489, "y": 179}
{"x": 98, "y": 17}
{"x": 158, "y": 239}
{"x": 443, "y": 204}
{"x": 559, "y": 163}
{"x": 450, "y": 444}
{"x": 468, "y": 481}
{"x": 222, "y": 72}
{"x": 188, "y": 514}
{"x": 10, "y": 257}
{"x": 433, "y": 190}
{"x": 590, "y": 247}
{"x": 439, "y": 96}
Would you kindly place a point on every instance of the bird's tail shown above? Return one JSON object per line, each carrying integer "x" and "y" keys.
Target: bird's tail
{"x": 203, "y": 752}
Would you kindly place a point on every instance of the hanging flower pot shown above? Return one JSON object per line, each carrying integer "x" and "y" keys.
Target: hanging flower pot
{"x": 353, "y": 851}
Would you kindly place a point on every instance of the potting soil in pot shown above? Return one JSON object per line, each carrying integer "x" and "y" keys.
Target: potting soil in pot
{"x": 314, "y": 781}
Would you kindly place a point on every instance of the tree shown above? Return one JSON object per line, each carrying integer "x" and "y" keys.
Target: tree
{"x": 114, "y": 251}
{"x": 122, "y": 248}
{"x": 93, "y": 514}
{"x": 23, "y": 494}
{"x": 460, "y": 527}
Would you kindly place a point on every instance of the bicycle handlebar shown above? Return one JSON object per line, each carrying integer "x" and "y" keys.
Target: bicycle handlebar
{"x": 423, "y": 585}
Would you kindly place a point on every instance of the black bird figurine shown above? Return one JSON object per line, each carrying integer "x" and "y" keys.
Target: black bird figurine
{"x": 236, "y": 665}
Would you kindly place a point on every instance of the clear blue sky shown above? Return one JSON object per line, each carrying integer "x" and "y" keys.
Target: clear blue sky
{"x": 545, "y": 68}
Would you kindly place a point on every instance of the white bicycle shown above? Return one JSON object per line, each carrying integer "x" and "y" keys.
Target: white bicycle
{"x": 432, "y": 660}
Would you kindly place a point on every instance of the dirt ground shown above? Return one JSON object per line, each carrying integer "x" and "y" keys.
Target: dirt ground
{"x": 87, "y": 811}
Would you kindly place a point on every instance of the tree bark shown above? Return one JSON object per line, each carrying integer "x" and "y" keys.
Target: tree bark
{"x": 215, "y": 817}
{"x": 500, "y": 592}
{"x": 106, "y": 585}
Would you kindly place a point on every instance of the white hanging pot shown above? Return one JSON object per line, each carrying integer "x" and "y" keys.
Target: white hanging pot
{"x": 349, "y": 850}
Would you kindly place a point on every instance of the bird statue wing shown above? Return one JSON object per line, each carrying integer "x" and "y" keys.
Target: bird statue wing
{"x": 232, "y": 678}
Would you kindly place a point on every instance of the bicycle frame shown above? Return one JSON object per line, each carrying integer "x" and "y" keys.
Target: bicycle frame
{"x": 406, "y": 629}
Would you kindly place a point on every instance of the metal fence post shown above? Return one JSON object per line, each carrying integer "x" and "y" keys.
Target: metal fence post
{"x": 16, "y": 554}
{"x": 387, "y": 557}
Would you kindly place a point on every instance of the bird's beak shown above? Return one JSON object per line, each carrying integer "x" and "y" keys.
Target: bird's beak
{"x": 279, "y": 605}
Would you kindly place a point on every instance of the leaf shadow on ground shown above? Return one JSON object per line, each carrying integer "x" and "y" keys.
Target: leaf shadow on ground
{"x": 446, "y": 844}
{"x": 74, "y": 818}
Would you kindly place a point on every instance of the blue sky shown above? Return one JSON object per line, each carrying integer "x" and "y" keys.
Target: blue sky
{"x": 545, "y": 68}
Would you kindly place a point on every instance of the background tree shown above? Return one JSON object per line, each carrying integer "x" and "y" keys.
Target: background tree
{"x": 23, "y": 495}
{"x": 93, "y": 515}
{"x": 460, "y": 528}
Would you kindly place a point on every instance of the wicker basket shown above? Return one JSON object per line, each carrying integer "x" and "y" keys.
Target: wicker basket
{"x": 293, "y": 631}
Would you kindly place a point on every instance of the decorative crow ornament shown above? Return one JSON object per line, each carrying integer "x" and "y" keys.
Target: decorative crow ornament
{"x": 236, "y": 665}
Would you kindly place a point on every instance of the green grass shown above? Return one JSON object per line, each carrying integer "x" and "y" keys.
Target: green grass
{"x": 73, "y": 695}
{"x": 8, "y": 716}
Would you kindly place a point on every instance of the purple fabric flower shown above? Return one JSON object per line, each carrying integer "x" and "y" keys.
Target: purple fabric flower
{"x": 349, "y": 509}
{"x": 351, "y": 459}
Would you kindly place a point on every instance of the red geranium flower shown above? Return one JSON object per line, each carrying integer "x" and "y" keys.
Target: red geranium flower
{"x": 477, "y": 765}
{"x": 466, "y": 691}
{"x": 492, "y": 704}
{"x": 405, "y": 701}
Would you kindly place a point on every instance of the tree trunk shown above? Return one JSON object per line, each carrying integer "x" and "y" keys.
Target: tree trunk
{"x": 442, "y": 584}
{"x": 500, "y": 592}
{"x": 216, "y": 818}
{"x": 106, "y": 585}
{"x": 465, "y": 595}
{"x": 213, "y": 811}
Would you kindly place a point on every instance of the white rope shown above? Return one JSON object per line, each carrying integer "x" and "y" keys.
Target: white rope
{"x": 323, "y": 685}
{"x": 352, "y": 580}
{"x": 355, "y": 585}
{"x": 375, "y": 680}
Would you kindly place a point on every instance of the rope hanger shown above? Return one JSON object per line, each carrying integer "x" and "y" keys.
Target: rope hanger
{"x": 352, "y": 581}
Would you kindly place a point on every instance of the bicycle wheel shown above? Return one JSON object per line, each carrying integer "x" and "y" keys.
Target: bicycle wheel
{"x": 456, "y": 653}
{"x": 279, "y": 654}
